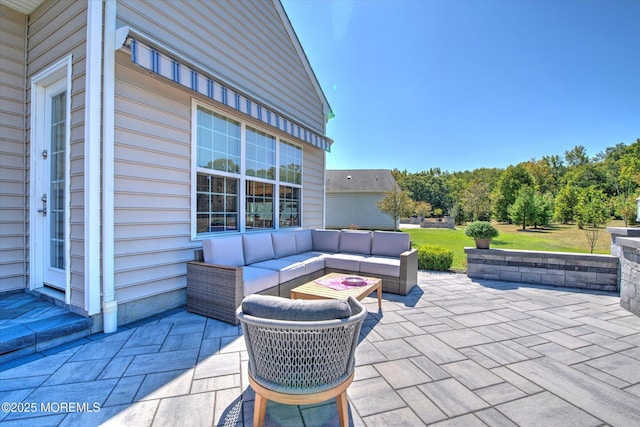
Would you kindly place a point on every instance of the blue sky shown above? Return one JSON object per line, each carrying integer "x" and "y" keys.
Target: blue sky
{"x": 464, "y": 84}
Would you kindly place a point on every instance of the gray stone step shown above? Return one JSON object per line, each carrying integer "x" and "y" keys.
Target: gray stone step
{"x": 18, "y": 340}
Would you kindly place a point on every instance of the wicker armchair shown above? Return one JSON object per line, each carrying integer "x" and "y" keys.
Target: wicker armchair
{"x": 301, "y": 362}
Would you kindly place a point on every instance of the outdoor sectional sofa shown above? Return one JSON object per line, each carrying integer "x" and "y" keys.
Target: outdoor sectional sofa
{"x": 228, "y": 268}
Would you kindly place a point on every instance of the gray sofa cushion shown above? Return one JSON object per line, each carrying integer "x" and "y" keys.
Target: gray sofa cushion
{"x": 390, "y": 243}
{"x": 284, "y": 244}
{"x": 347, "y": 262}
{"x": 287, "y": 269}
{"x": 258, "y": 279}
{"x": 326, "y": 240}
{"x": 226, "y": 250}
{"x": 381, "y": 266}
{"x": 270, "y": 307}
{"x": 304, "y": 242}
{"x": 313, "y": 261}
{"x": 257, "y": 247}
{"x": 355, "y": 242}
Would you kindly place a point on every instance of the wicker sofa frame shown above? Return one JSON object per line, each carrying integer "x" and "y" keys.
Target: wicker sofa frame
{"x": 216, "y": 291}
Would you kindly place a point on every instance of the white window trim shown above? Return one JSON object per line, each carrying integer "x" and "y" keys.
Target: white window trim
{"x": 242, "y": 177}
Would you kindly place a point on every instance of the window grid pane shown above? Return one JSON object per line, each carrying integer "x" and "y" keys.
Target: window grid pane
{"x": 289, "y": 206}
{"x": 290, "y": 163}
{"x": 57, "y": 180}
{"x": 218, "y": 141}
{"x": 216, "y": 203}
{"x": 259, "y": 205}
{"x": 261, "y": 154}
{"x": 219, "y": 144}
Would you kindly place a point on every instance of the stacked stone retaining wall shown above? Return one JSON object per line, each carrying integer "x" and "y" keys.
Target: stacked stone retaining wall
{"x": 584, "y": 271}
{"x": 625, "y": 244}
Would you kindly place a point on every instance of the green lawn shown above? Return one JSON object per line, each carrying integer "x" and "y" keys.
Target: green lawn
{"x": 560, "y": 238}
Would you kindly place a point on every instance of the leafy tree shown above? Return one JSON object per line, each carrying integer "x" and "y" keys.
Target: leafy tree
{"x": 428, "y": 187}
{"x": 626, "y": 207}
{"x": 523, "y": 211}
{"x": 396, "y": 204}
{"x": 577, "y": 156}
{"x": 510, "y": 182}
{"x": 557, "y": 172}
{"x": 423, "y": 209}
{"x": 458, "y": 214}
{"x": 541, "y": 174}
{"x": 591, "y": 212}
{"x": 477, "y": 202}
{"x": 459, "y": 184}
{"x": 565, "y": 204}
{"x": 544, "y": 209}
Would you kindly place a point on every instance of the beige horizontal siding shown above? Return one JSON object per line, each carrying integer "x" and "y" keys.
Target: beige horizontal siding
{"x": 152, "y": 183}
{"x": 313, "y": 165}
{"x": 57, "y": 29}
{"x": 13, "y": 268}
{"x": 244, "y": 42}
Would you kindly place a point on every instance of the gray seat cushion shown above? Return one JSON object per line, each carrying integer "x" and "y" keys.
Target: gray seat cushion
{"x": 226, "y": 250}
{"x": 257, "y": 247}
{"x": 287, "y": 269}
{"x": 348, "y": 262}
{"x": 271, "y": 307}
{"x": 326, "y": 240}
{"x": 284, "y": 244}
{"x": 258, "y": 279}
{"x": 355, "y": 242}
{"x": 382, "y": 266}
{"x": 390, "y": 243}
{"x": 313, "y": 261}
{"x": 304, "y": 241}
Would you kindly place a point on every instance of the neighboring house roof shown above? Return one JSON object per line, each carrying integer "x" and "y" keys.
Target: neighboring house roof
{"x": 360, "y": 181}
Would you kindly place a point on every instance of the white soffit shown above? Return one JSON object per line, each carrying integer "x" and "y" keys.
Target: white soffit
{"x": 22, "y": 6}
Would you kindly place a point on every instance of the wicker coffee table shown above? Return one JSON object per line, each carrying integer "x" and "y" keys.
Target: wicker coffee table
{"x": 314, "y": 290}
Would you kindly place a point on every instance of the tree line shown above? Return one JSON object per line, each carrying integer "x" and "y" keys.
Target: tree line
{"x": 573, "y": 188}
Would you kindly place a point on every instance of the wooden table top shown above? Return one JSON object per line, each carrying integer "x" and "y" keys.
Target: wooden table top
{"x": 315, "y": 290}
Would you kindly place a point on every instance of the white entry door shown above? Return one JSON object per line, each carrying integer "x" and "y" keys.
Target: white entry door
{"x": 49, "y": 175}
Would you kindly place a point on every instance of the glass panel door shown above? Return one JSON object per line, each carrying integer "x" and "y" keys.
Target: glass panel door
{"x": 53, "y": 200}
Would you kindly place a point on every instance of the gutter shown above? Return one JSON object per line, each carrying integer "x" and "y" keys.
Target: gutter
{"x": 109, "y": 303}
{"x": 92, "y": 122}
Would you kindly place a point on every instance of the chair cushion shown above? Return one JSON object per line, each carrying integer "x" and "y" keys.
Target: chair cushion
{"x": 381, "y": 266}
{"x": 270, "y": 307}
{"x": 304, "y": 242}
{"x": 284, "y": 244}
{"x": 288, "y": 269}
{"x": 258, "y": 279}
{"x": 390, "y": 243}
{"x": 225, "y": 250}
{"x": 257, "y": 247}
{"x": 347, "y": 262}
{"x": 355, "y": 242}
{"x": 326, "y": 240}
{"x": 313, "y": 261}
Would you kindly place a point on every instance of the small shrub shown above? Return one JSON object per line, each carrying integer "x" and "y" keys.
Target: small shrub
{"x": 434, "y": 258}
{"x": 481, "y": 230}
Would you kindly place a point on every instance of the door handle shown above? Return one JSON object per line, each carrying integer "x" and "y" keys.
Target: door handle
{"x": 43, "y": 211}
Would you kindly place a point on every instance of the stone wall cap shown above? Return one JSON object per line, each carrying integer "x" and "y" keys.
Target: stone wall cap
{"x": 531, "y": 253}
{"x": 631, "y": 242}
{"x": 624, "y": 231}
